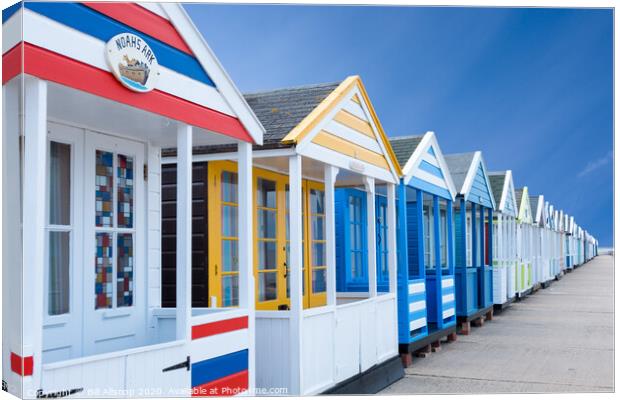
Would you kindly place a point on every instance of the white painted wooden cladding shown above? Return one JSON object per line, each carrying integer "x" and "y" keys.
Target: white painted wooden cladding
{"x": 386, "y": 325}
{"x": 130, "y": 374}
{"x": 319, "y": 350}
{"x": 447, "y": 283}
{"x": 500, "y": 279}
{"x": 49, "y": 34}
{"x": 448, "y": 313}
{"x": 272, "y": 354}
{"x": 153, "y": 185}
{"x": 417, "y": 323}
{"x": 417, "y": 287}
{"x": 417, "y": 306}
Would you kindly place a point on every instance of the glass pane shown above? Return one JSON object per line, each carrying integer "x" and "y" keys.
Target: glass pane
{"x": 318, "y": 255}
{"x": 60, "y": 184}
{"x": 230, "y": 291}
{"x": 124, "y": 270}
{"x": 229, "y": 187}
{"x": 267, "y": 286}
{"x": 318, "y": 227}
{"x": 229, "y": 221}
{"x": 124, "y": 191}
{"x": 104, "y": 181}
{"x": 266, "y": 193}
{"x": 267, "y": 255}
{"x": 354, "y": 266}
{"x": 103, "y": 270}
{"x": 59, "y": 263}
{"x": 317, "y": 200}
{"x": 319, "y": 281}
{"x": 266, "y": 224}
{"x": 230, "y": 255}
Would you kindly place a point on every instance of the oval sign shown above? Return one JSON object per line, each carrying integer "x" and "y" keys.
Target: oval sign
{"x": 133, "y": 62}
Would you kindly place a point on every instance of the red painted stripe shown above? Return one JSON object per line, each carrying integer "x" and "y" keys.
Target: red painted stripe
{"x": 214, "y": 328}
{"x": 60, "y": 69}
{"x": 144, "y": 21}
{"x": 230, "y": 385}
{"x": 12, "y": 63}
{"x": 17, "y": 363}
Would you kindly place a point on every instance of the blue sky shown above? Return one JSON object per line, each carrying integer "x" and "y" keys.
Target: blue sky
{"x": 531, "y": 88}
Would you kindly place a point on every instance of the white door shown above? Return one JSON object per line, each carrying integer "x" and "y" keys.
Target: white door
{"x": 114, "y": 248}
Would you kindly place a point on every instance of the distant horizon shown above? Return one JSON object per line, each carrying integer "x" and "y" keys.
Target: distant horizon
{"x": 532, "y": 88}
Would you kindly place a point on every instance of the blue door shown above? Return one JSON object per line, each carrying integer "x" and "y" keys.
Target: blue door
{"x": 382, "y": 244}
{"x": 351, "y": 241}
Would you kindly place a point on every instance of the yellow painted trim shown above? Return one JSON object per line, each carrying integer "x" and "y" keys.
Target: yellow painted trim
{"x": 356, "y": 99}
{"x": 311, "y": 120}
{"x": 357, "y": 124}
{"x": 350, "y": 149}
{"x": 314, "y": 299}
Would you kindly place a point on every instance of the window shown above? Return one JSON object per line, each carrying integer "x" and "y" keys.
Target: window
{"x": 382, "y": 244}
{"x": 59, "y": 229}
{"x": 318, "y": 257}
{"x": 443, "y": 234}
{"x": 357, "y": 264}
{"x": 266, "y": 236}
{"x": 429, "y": 231}
{"x": 114, "y": 230}
{"x": 469, "y": 242}
{"x": 229, "y": 239}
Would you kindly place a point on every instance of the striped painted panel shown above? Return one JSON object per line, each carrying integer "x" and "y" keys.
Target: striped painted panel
{"x": 448, "y": 297}
{"x": 219, "y": 354}
{"x": 479, "y": 192}
{"x": 350, "y": 132}
{"x": 417, "y": 287}
{"x": 428, "y": 175}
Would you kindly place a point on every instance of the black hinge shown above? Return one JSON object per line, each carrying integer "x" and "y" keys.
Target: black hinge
{"x": 55, "y": 395}
{"x": 146, "y": 172}
{"x": 5, "y": 387}
{"x": 184, "y": 364}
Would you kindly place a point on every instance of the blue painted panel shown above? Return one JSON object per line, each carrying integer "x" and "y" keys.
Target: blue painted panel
{"x": 459, "y": 236}
{"x": 102, "y": 27}
{"x": 345, "y": 282}
{"x": 9, "y": 11}
{"x": 431, "y": 169}
{"x": 480, "y": 193}
{"x": 434, "y": 307}
{"x": 430, "y": 151}
{"x": 219, "y": 367}
{"x": 381, "y": 229}
{"x": 466, "y": 281}
{"x": 413, "y": 241}
{"x": 430, "y": 187}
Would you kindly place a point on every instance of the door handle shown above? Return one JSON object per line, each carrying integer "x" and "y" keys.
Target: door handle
{"x": 285, "y": 270}
{"x": 184, "y": 364}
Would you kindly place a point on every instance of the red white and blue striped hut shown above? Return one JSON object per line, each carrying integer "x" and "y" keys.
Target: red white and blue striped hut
{"x": 92, "y": 92}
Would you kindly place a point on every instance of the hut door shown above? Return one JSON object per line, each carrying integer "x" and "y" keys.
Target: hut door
{"x": 114, "y": 255}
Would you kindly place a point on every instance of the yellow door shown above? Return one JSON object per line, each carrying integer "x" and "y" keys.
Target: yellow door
{"x": 316, "y": 264}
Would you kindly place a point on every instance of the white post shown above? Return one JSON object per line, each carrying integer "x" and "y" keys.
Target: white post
{"x": 391, "y": 221}
{"x": 246, "y": 269}
{"x": 296, "y": 223}
{"x": 35, "y": 155}
{"x": 330, "y": 231}
{"x": 372, "y": 236}
{"x": 184, "y": 231}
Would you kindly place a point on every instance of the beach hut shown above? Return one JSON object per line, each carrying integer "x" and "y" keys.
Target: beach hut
{"x": 319, "y": 328}
{"x": 504, "y": 238}
{"x": 567, "y": 242}
{"x": 473, "y": 207}
{"x": 525, "y": 244}
{"x": 92, "y": 92}
{"x": 426, "y": 289}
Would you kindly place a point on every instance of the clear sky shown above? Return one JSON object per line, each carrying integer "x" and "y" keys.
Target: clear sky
{"x": 531, "y": 88}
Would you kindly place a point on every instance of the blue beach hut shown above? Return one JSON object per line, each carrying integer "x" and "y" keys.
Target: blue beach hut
{"x": 473, "y": 207}
{"x": 426, "y": 297}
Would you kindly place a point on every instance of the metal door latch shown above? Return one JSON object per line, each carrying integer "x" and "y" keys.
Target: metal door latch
{"x": 184, "y": 364}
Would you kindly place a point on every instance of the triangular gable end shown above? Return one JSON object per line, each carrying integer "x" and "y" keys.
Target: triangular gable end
{"x": 209, "y": 62}
{"x": 508, "y": 203}
{"x": 344, "y": 130}
{"x": 477, "y": 187}
{"x": 427, "y": 169}
{"x": 525, "y": 211}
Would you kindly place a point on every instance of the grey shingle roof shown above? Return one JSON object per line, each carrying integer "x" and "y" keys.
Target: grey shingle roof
{"x": 282, "y": 110}
{"x": 497, "y": 180}
{"x": 458, "y": 164}
{"x": 404, "y": 146}
{"x": 519, "y": 196}
{"x": 534, "y": 205}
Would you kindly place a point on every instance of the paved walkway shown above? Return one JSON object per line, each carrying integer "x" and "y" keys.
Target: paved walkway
{"x": 559, "y": 339}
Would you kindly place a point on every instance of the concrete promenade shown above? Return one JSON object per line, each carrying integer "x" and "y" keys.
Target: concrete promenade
{"x": 559, "y": 339}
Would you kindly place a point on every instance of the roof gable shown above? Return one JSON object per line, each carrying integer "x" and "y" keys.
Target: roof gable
{"x": 524, "y": 214}
{"x": 504, "y": 192}
{"x": 476, "y": 186}
{"x": 425, "y": 167}
{"x": 344, "y": 127}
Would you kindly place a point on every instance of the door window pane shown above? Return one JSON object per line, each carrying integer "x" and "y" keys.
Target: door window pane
{"x": 266, "y": 193}
{"x": 60, "y": 184}
{"x": 267, "y": 255}
{"x": 319, "y": 281}
{"x": 230, "y": 225}
{"x": 104, "y": 180}
{"x": 124, "y": 191}
{"x": 59, "y": 262}
{"x": 103, "y": 271}
{"x": 267, "y": 286}
{"x": 230, "y": 290}
{"x": 230, "y": 255}
{"x": 229, "y": 187}
{"x": 124, "y": 270}
{"x": 267, "y": 224}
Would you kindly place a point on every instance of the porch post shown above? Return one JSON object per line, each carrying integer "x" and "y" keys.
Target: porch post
{"x": 296, "y": 270}
{"x": 391, "y": 222}
{"x": 449, "y": 233}
{"x": 372, "y": 236}
{"x": 184, "y": 231}
{"x": 330, "y": 231}
{"x": 437, "y": 256}
{"x": 33, "y": 239}
{"x": 245, "y": 229}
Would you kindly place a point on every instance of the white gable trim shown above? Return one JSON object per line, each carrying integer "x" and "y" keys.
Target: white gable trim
{"x": 471, "y": 174}
{"x": 188, "y": 31}
{"x": 155, "y": 8}
{"x": 429, "y": 141}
